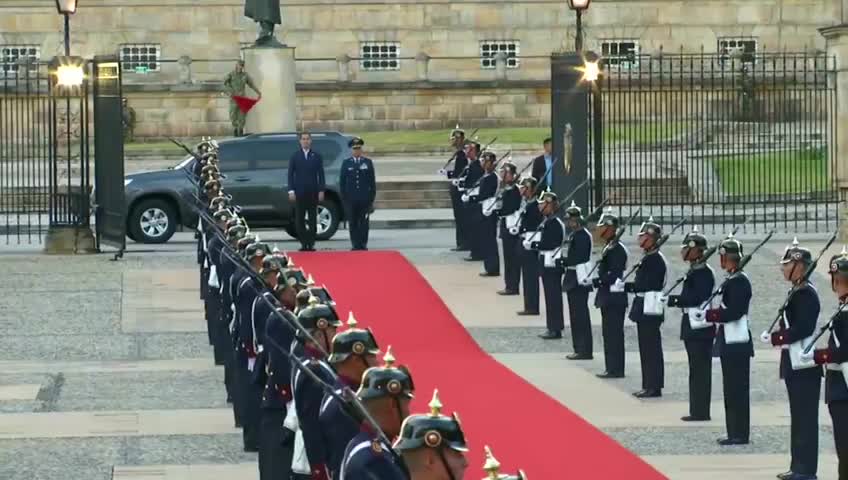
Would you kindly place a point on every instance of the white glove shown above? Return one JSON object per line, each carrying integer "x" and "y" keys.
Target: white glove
{"x": 617, "y": 287}
{"x": 526, "y": 244}
{"x": 455, "y": 182}
{"x": 586, "y": 282}
{"x": 664, "y": 299}
{"x": 465, "y": 198}
{"x": 442, "y": 171}
{"x": 808, "y": 356}
{"x": 765, "y": 337}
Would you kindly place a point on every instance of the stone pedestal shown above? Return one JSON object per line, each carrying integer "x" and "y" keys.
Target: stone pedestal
{"x": 837, "y": 47}
{"x": 273, "y": 71}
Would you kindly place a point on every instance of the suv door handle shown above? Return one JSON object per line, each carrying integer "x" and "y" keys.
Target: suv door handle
{"x": 242, "y": 179}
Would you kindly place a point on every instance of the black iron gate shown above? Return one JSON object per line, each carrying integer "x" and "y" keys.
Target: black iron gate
{"x": 718, "y": 139}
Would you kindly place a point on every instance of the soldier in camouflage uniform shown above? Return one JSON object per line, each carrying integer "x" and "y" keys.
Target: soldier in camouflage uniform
{"x": 235, "y": 84}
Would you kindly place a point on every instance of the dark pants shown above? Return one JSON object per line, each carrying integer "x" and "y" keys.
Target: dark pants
{"x": 804, "y": 389}
{"x": 204, "y": 281}
{"x": 839, "y": 416}
{"x": 578, "y": 318}
{"x": 231, "y": 383}
{"x": 489, "y": 244}
{"x": 552, "y": 284}
{"x": 275, "y": 459}
{"x": 736, "y": 380}
{"x": 357, "y": 218}
{"x": 250, "y": 399}
{"x": 512, "y": 261}
{"x": 651, "y": 353}
{"x": 474, "y": 223}
{"x": 530, "y": 273}
{"x": 700, "y": 354}
{"x": 306, "y": 219}
{"x": 459, "y": 218}
{"x": 612, "y": 327}
{"x": 218, "y": 335}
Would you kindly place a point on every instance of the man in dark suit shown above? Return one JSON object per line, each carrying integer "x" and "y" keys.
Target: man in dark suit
{"x": 459, "y": 164}
{"x": 542, "y": 167}
{"x": 359, "y": 188}
{"x": 306, "y": 190}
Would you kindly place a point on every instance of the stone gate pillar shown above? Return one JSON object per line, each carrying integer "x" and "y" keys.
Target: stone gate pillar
{"x": 837, "y": 47}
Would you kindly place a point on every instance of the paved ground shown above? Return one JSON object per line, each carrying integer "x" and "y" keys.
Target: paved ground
{"x": 105, "y": 371}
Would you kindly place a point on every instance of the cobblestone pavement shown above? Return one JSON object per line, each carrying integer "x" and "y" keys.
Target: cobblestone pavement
{"x": 106, "y": 372}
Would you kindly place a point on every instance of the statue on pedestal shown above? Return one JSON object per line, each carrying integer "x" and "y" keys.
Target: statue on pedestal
{"x": 267, "y": 14}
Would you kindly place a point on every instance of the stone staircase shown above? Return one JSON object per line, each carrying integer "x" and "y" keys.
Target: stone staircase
{"x": 409, "y": 194}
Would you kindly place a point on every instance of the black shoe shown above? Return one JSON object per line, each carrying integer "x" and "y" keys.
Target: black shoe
{"x": 507, "y": 293}
{"x": 459, "y": 249}
{"x": 785, "y": 475}
{"x": 652, "y": 393}
{"x": 549, "y": 335}
{"x": 526, "y": 313}
{"x": 251, "y": 448}
{"x": 487, "y": 274}
{"x": 610, "y": 375}
{"x": 693, "y": 418}
{"x": 578, "y": 356}
{"x": 731, "y": 441}
{"x": 802, "y": 476}
{"x": 472, "y": 259}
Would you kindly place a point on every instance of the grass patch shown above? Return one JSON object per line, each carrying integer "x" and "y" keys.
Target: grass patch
{"x": 793, "y": 171}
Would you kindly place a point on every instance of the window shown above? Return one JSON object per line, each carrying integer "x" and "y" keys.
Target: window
{"x": 490, "y": 48}
{"x": 380, "y": 56}
{"x": 328, "y": 148}
{"x": 140, "y": 58}
{"x": 234, "y": 156}
{"x": 743, "y": 49}
{"x": 620, "y": 53}
{"x": 273, "y": 154}
{"x": 11, "y": 54}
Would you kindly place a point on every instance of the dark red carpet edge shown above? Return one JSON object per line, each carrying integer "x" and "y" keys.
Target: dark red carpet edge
{"x": 524, "y": 426}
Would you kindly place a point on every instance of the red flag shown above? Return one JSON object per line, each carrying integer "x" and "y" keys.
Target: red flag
{"x": 244, "y": 103}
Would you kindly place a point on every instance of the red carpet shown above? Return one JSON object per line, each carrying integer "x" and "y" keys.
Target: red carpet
{"x": 525, "y": 427}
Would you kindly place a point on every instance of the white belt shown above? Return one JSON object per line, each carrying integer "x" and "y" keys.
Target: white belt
{"x": 574, "y": 267}
{"x": 640, "y": 294}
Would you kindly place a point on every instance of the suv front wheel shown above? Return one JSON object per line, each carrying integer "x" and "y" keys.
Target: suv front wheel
{"x": 152, "y": 221}
{"x": 329, "y": 218}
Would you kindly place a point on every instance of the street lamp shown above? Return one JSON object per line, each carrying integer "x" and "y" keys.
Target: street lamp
{"x": 578, "y": 6}
{"x": 67, "y": 8}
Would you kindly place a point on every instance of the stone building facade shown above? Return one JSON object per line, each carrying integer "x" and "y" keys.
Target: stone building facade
{"x": 392, "y": 64}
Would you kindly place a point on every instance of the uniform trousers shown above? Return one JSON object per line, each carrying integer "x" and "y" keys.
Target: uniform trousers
{"x": 220, "y": 338}
{"x": 578, "y": 319}
{"x": 552, "y": 284}
{"x": 651, "y": 352}
{"x": 700, "y": 355}
{"x": 459, "y": 218}
{"x": 512, "y": 261}
{"x": 489, "y": 244}
{"x": 275, "y": 459}
{"x": 804, "y": 390}
{"x": 474, "y": 221}
{"x": 306, "y": 218}
{"x": 736, "y": 380}
{"x": 231, "y": 382}
{"x": 839, "y": 417}
{"x": 357, "y": 218}
{"x": 530, "y": 274}
{"x": 612, "y": 328}
{"x": 250, "y": 400}
{"x": 204, "y": 281}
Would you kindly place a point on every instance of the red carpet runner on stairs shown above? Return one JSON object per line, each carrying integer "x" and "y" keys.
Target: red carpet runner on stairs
{"x": 526, "y": 428}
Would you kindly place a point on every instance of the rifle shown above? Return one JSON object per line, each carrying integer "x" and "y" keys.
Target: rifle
{"x": 706, "y": 256}
{"x": 659, "y": 244}
{"x": 562, "y": 204}
{"x": 592, "y": 215}
{"x": 742, "y": 263}
{"x": 442, "y": 171}
{"x": 614, "y": 239}
{"x": 455, "y": 181}
{"x": 495, "y": 166}
{"x": 766, "y": 335}
{"x": 827, "y": 326}
{"x": 500, "y": 194}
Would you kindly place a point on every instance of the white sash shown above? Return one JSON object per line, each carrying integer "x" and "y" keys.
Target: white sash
{"x": 697, "y": 318}
{"x": 737, "y": 331}
{"x": 653, "y": 304}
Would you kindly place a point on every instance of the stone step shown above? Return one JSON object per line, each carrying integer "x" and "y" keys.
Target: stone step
{"x": 412, "y": 194}
{"x": 412, "y": 203}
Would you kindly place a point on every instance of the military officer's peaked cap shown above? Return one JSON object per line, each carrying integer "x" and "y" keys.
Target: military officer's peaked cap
{"x": 651, "y": 228}
{"x": 797, "y": 253}
{"x": 609, "y": 219}
{"x": 386, "y": 380}
{"x": 839, "y": 263}
{"x": 318, "y": 316}
{"x": 731, "y": 247}
{"x": 355, "y": 142}
{"x": 694, "y": 239}
{"x": 432, "y": 430}
{"x": 354, "y": 341}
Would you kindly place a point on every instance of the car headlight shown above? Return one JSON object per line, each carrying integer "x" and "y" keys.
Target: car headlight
{"x": 127, "y": 181}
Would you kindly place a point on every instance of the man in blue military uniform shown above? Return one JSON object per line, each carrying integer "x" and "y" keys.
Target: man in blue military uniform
{"x": 613, "y": 305}
{"x": 530, "y": 219}
{"x": 552, "y": 234}
{"x": 468, "y": 179}
{"x": 577, "y": 284}
{"x": 385, "y": 393}
{"x": 484, "y": 224}
{"x": 647, "y": 309}
{"x": 803, "y": 379}
{"x": 433, "y": 445}
{"x": 354, "y": 351}
{"x": 696, "y": 333}
{"x": 509, "y": 215}
{"x": 734, "y": 343}
{"x": 357, "y": 182}
{"x": 459, "y": 163}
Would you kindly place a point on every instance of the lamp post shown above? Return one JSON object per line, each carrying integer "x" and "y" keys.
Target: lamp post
{"x": 578, "y": 6}
{"x": 67, "y": 8}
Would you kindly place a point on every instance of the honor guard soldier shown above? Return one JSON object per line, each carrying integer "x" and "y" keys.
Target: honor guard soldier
{"x": 733, "y": 341}
{"x": 433, "y": 445}
{"x": 613, "y": 305}
{"x": 358, "y": 187}
{"x": 459, "y": 163}
{"x": 802, "y": 378}
{"x": 485, "y": 229}
{"x": 492, "y": 468}
{"x": 385, "y": 393}
{"x": 552, "y": 234}
{"x": 697, "y": 334}
{"x": 211, "y": 283}
{"x": 509, "y": 215}
{"x": 321, "y": 322}
{"x": 577, "y": 283}
{"x": 354, "y": 351}
{"x": 647, "y": 310}
{"x": 531, "y": 218}
{"x": 835, "y": 359}
{"x": 472, "y": 174}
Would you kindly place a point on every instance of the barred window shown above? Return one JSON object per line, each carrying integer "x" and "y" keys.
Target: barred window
{"x": 11, "y": 55}
{"x": 620, "y": 53}
{"x": 379, "y": 56}
{"x": 490, "y": 48}
{"x": 743, "y": 48}
{"x": 140, "y": 58}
